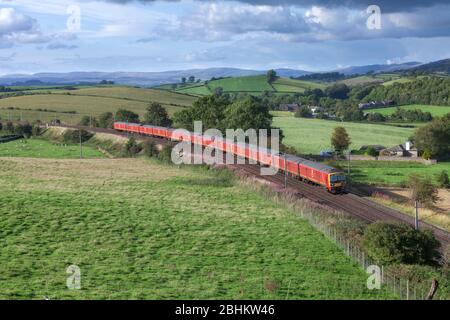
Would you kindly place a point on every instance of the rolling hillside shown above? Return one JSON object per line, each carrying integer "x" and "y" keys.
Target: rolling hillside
{"x": 434, "y": 110}
{"x": 71, "y": 105}
{"x": 250, "y": 84}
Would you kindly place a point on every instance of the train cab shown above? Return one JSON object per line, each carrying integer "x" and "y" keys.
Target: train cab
{"x": 337, "y": 182}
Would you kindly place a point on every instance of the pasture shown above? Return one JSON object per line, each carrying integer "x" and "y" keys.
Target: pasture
{"x": 249, "y": 84}
{"x": 310, "y": 136}
{"x": 71, "y": 105}
{"x": 141, "y": 230}
{"x": 436, "y": 111}
{"x": 39, "y": 148}
{"x": 392, "y": 173}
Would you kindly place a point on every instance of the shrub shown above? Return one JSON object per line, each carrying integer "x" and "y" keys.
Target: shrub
{"x": 23, "y": 129}
{"x": 73, "y": 136}
{"x": 165, "y": 154}
{"x": 9, "y": 127}
{"x": 426, "y": 154}
{"x": 149, "y": 148}
{"x": 443, "y": 179}
{"x": 389, "y": 243}
{"x": 372, "y": 152}
{"x": 132, "y": 148}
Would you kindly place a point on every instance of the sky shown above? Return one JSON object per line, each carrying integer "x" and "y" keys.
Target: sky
{"x": 152, "y": 35}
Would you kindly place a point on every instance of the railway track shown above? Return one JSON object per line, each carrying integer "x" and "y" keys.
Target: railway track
{"x": 348, "y": 203}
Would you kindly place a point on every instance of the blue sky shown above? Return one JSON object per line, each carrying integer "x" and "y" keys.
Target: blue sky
{"x": 116, "y": 35}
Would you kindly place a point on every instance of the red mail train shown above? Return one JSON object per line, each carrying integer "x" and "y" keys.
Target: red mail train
{"x": 310, "y": 171}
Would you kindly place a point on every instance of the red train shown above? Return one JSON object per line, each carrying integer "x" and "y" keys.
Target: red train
{"x": 334, "y": 180}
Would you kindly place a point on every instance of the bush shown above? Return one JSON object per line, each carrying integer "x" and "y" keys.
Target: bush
{"x": 1, "y": 126}
{"x": 36, "y": 131}
{"x": 73, "y": 136}
{"x": 23, "y": 129}
{"x": 426, "y": 154}
{"x": 444, "y": 181}
{"x": 165, "y": 154}
{"x": 372, "y": 152}
{"x": 390, "y": 243}
{"x": 132, "y": 148}
{"x": 150, "y": 149}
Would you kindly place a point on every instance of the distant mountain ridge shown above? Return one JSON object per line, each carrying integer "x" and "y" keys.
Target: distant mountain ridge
{"x": 377, "y": 68}
{"x": 150, "y": 79}
{"x": 137, "y": 78}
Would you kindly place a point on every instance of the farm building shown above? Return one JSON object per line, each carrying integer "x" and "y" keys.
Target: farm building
{"x": 402, "y": 150}
{"x": 289, "y": 107}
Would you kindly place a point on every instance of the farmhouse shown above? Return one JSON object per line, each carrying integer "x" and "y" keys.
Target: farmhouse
{"x": 402, "y": 150}
{"x": 376, "y": 104}
{"x": 289, "y": 107}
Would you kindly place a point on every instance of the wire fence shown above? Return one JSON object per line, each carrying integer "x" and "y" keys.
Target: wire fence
{"x": 405, "y": 289}
{"x": 19, "y": 115}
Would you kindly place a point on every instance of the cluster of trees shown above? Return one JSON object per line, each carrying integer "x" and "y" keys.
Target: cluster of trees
{"x": 433, "y": 138}
{"x": 221, "y": 112}
{"x": 395, "y": 243}
{"x": 23, "y": 128}
{"x": 426, "y": 90}
{"x": 323, "y": 77}
{"x": 190, "y": 79}
{"x": 400, "y": 115}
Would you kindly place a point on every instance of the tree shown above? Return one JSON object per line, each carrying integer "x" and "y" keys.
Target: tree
{"x": 340, "y": 139}
{"x": 126, "y": 116}
{"x": 183, "y": 80}
{"x": 191, "y": 79}
{"x": 444, "y": 181}
{"x": 24, "y": 129}
{"x": 248, "y": 113}
{"x": 392, "y": 243}
{"x": 337, "y": 91}
{"x": 149, "y": 148}
{"x": 375, "y": 117}
{"x": 434, "y": 137}
{"x": 209, "y": 110}
{"x": 85, "y": 121}
{"x": 131, "y": 147}
{"x": 422, "y": 189}
{"x": 9, "y": 127}
{"x": 106, "y": 120}
{"x": 303, "y": 112}
{"x": 157, "y": 115}
{"x": 271, "y": 76}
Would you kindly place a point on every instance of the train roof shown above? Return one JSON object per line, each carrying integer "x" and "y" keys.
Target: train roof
{"x": 311, "y": 164}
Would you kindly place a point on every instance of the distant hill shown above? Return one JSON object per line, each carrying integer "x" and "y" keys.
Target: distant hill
{"x": 441, "y": 66}
{"x": 377, "y": 68}
{"x": 136, "y": 78}
{"x": 251, "y": 84}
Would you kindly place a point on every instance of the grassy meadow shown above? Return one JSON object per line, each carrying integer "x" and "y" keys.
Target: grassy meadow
{"x": 392, "y": 173}
{"x": 141, "y": 230}
{"x": 39, "y": 148}
{"x": 71, "y": 105}
{"x": 310, "y": 136}
{"x": 436, "y": 111}
{"x": 250, "y": 84}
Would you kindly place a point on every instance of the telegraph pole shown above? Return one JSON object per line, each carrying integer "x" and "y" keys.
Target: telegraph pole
{"x": 81, "y": 145}
{"x": 416, "y": 218}
{"x": 285, "y": 172}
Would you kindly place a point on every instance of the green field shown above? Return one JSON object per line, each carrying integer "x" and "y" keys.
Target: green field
{"x": 141, "y": 230}
{"x": 392, "y": 173}
{"x": 437, "y": 111}
{"x": 38, "y": 148}
{"x": 313, "y": 135}
{"x": 250, "y": 84}
{"x": 89, "y": 101}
